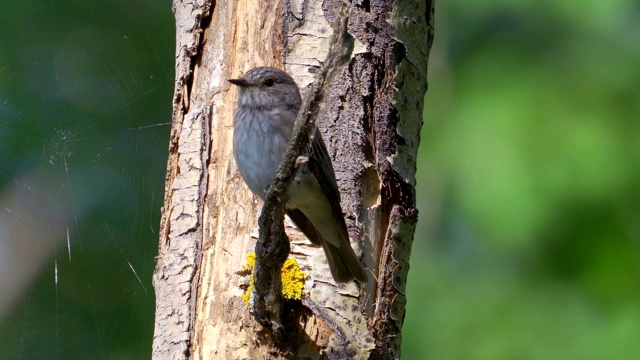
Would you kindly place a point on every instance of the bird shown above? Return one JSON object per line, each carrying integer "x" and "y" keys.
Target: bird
{"x": 268, "y": 104}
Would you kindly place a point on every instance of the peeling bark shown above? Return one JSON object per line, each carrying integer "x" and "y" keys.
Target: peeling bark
{"x": 371, "y": 123}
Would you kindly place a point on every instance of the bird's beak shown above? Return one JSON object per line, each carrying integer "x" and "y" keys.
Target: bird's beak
{"x": 240, "y": 82}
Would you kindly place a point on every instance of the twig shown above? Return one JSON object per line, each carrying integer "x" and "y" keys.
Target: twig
{"x": 273, "y": 247}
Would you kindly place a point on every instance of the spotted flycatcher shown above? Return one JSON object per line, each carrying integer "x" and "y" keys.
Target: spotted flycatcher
{"x": 268, "y": 104}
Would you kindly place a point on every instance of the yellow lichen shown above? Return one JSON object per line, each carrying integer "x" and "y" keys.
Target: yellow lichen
{"x": 251, "y": 261}
{"x": 292, "y": 279}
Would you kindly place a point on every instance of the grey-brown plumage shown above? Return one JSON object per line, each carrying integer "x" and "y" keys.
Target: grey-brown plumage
{"x": 268, "y": 104}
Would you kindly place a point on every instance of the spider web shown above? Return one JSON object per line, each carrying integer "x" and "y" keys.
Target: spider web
{"x": 85, "y": 104}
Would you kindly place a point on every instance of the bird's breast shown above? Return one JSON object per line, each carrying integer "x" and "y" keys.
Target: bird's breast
{"x": 260, "y": 139}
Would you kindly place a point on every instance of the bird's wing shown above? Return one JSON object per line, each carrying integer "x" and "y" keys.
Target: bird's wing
{"x": 303, "y": 223}
{"x": 320, "y": 165}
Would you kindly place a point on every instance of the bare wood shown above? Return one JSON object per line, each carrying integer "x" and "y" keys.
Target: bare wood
{"x": 371, "y": 122}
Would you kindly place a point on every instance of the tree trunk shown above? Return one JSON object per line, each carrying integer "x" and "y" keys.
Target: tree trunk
{"x": 371, "y": 124}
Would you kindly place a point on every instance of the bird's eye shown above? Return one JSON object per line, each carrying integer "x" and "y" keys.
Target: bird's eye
{"x": 268, "y": 82}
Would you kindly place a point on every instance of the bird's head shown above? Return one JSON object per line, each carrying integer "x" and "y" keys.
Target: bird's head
{"x": 267, "y": 88}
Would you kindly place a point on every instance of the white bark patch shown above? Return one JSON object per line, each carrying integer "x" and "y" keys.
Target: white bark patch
{"x": 308, "y": 41}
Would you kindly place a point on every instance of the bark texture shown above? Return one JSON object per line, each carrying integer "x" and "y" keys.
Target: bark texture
{"x": 371, "y": 124}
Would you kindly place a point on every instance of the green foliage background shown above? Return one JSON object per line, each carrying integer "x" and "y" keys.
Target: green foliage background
{"x": 528, "y": 242}
{"x": 85, "y": 107}
{"x": 528, "y": 184}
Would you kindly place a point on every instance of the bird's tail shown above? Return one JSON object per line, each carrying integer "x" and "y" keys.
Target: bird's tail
{"x": 344, "y": 263}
